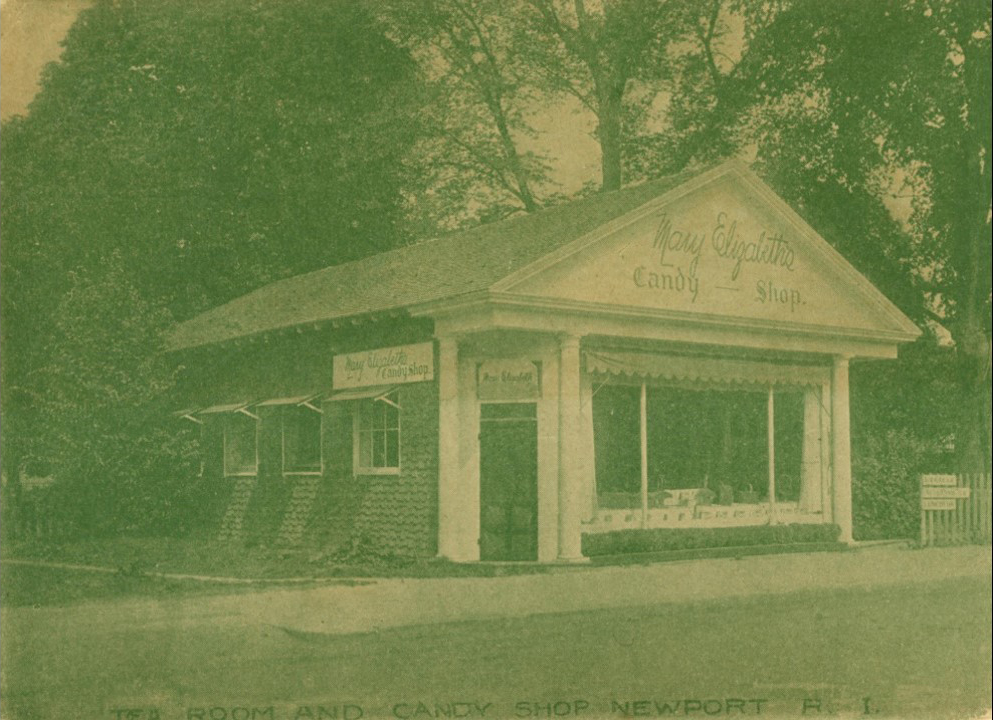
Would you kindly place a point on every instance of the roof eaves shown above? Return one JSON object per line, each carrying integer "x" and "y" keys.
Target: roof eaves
{"x": 331, "y": 321}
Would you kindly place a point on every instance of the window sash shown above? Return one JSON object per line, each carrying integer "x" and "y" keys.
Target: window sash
{"x": 377, "y": 437}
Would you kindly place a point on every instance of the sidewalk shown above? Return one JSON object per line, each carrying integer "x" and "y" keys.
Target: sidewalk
{"x": 374, "y": 605}
{"x": 392, "y": 603}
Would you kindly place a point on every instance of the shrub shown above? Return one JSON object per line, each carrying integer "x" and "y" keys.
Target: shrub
{"x": 885, "y": 491}
{"x": 668, "y": 539}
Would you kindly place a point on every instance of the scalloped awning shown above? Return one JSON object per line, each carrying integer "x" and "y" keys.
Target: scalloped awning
{"x": 647, "y": 367}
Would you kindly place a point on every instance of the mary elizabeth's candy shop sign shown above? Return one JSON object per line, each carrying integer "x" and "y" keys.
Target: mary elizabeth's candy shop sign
{"x": 384, "y": 366}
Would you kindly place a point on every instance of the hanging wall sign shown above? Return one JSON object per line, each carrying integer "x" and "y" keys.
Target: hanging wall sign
{"x": 384, "y": 366}
{"x": 516, "y": 380}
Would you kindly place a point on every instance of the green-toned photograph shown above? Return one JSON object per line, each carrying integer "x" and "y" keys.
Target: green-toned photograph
{"x": 503, "y": 359}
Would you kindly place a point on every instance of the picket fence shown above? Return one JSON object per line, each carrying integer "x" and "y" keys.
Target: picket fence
{"x": 964, "y": 520}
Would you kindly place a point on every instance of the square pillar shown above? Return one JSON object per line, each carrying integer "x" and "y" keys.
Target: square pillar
{"x": 841, "y": 451}
{"x": 587, "y": 459}
{"x": 572, "y": 490}
{"x": 827, "y": 506}
{"x": 453, "y": 503}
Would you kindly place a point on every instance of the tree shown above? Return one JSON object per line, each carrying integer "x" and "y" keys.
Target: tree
{"x": 597, "y": 55}
{"x": 478, "y": 99}
{"x": 711, "y": 91}
{"x": 206, "y": 149}
{"x": 108, "y": 430}
{"x": 889, "y": 89}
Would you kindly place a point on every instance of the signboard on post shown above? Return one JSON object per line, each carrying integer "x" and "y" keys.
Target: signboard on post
{"x": 939, "y": 480}
{"x": 384, "y": 366}
{"x": 941, "y": 504}
{"x": 943, "y": 517}
{"x": 951, "y": 493}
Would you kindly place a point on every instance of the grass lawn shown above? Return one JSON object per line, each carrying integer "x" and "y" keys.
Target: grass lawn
{"x": 135, "y": 561}
{"x": 31, "y": 586}
{"x": 916, "y": 651}
{"x": 135, "y": 558}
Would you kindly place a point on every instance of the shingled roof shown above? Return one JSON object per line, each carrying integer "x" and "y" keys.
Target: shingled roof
{"x": 438, "y": 269}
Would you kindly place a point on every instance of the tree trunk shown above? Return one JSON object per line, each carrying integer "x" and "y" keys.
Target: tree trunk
{"x": 610, "y": 93}
{"x": 973, "y": 442}
{"x": 514, "y": 161}
{"x": 971, "y": 335}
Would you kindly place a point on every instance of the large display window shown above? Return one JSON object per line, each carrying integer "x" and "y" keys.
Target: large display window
{"x": 695, "y": 446}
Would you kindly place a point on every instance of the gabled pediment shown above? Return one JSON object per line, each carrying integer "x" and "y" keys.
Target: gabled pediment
{"x": 722, "y": 245}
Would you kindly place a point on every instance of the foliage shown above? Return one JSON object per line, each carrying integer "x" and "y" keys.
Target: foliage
{"x": 894, "y": 442}
{"x": 610, "y": 56}
{"x": 108, "y": 434}
{"x": 178, "y": 156}
{"x": 263, "y": 139}
{"x": 885, "y": 477}
{"x": 474, "y": 116}
{"x": 668, "y": 539}
{"x": 855, "y": 96}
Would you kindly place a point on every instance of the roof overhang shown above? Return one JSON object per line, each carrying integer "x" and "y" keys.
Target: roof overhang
{"x": 506, "y": 311}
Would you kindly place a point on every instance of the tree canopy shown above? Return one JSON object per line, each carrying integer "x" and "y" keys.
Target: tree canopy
{"x": 855, "y": 99}
{"x": 194, "y": 151}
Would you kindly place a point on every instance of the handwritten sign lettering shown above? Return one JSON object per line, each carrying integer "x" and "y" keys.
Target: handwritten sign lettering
{"x": 384, "y": 366}
{"x": 516, "y": 380}
{"x": 679, "y": 250}
{"x": 769, "y": 249}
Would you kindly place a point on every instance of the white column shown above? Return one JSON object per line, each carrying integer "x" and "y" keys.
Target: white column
{"x": 644, "y": 455}
{"x": 570, "y": 475}
{"x": 827, "y": 506}
{"x": 451, "y": 544}
{"x": 587, "y": 463}
{"x": 841, "y": 452}
{"x": 771, "y": 442}
{"x": 810, "y": 469}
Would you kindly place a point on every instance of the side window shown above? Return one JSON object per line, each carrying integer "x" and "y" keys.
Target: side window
{"x": 240, "y": 445}
{"x": 377, "y": 435}
{"x": 301, "y": 440}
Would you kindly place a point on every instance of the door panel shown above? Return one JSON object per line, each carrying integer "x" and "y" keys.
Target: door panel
{"x": 508, "y": 481}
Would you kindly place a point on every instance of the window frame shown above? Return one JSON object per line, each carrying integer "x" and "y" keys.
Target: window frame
{"x": 357, "y": 467}
{"x": 282, "y": 440}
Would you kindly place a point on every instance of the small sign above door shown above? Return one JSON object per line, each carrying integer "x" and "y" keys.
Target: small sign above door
{"x": 384, "y": 366}
{"x": 508, "y": 380}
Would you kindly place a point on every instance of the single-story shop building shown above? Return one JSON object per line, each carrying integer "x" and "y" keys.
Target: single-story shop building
{"x": 671, "y": 355}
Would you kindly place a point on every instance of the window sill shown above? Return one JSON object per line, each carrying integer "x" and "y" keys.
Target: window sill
{"x": 376, "y": 471}
{"x": 298, "y": 473}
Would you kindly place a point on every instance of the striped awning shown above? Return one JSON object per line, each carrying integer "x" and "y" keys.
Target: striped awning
{"x": 648, "y": 367}
{"x": 296, "y": 400}
{"x": 366, "y": 393}
{"x": 226, "y": 408}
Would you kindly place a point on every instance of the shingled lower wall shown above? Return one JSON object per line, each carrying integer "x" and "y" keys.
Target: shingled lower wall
{"x": 392, "y": 514}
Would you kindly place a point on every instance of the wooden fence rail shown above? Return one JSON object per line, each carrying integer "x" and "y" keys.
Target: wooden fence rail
{"x": 949, "y": 516}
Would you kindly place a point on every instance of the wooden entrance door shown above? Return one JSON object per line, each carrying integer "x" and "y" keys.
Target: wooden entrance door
{"x": 508, "y": 481}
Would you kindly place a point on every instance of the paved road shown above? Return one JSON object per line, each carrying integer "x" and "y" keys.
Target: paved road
{"x": 908, "y": 628}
